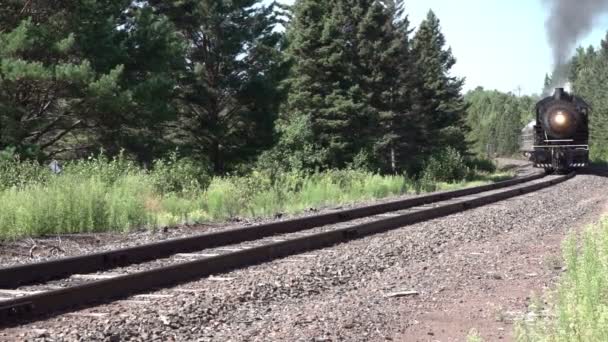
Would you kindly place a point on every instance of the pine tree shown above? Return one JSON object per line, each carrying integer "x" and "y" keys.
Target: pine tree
{"x": 326, "y": 104}
{"x": 440, "y": 101}
{"x": 44, "y": 82}
{"x": 592, "y": 75}
{"x": 350, "y": 89}
{"x": 76, "y": 78}
{"x": 389, "y": 79}
{"x": 228, "y": 94}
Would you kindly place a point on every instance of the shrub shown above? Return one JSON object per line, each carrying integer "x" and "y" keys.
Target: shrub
{"x": 481, "y": 164}
{"x": 17, "y": 173}
{"x": 179, "y": 175}
{"x": 445, "y": 166}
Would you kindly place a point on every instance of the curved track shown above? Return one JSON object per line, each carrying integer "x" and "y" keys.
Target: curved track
{"x": 223, "y": 251}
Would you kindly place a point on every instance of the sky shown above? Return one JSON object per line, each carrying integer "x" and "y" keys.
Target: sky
{"x": 498, "y": 44}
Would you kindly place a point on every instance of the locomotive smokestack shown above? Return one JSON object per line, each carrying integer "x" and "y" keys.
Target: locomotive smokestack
{"x": 559, "y": 93}
{"x": 568, "y": 22}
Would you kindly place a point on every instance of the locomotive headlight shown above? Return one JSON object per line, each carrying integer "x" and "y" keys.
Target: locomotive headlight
{"x": 560, "y": 118}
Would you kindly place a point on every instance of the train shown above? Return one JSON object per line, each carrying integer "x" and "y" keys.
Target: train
{"x": 558, "y": 138}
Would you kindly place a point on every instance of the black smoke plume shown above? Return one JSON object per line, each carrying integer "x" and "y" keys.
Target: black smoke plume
{"x": 568, "y": 22}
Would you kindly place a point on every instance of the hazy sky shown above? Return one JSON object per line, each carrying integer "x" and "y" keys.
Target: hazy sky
{"x": 498, "y": 44}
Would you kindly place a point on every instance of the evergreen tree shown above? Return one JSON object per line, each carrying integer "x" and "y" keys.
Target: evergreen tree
{"x": 440, "y": 101}
{"x": 69, "y": 79}
{"x": 44, "y": 82}
{"x": 352, "y": 73}
{"x": 591, "y": 68}
{"x": 325, "y": 103}
{"x": 228, "y": 98}
{"x": 389, "y": 79}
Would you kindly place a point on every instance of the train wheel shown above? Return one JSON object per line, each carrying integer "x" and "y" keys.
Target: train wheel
{"x": 549, "y": 170}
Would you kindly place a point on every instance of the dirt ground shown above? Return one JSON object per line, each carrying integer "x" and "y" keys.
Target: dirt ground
{"x": 517, "y": 272}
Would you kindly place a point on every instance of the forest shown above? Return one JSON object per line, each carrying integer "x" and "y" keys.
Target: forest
{"x": 230, "y": 84}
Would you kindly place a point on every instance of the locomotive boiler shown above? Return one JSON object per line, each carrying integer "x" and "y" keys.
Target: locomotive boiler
{"x": 558, "y": 139}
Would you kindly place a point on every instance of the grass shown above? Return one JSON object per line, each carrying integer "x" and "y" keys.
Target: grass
{"x": 578, "y": 309}
{"x": 114, "y": 195}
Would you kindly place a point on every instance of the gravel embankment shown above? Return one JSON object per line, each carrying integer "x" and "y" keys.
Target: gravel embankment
{"x": 455, "y": 264}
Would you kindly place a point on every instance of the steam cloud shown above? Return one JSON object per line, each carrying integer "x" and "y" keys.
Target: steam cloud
{"x": 568, "y": 22}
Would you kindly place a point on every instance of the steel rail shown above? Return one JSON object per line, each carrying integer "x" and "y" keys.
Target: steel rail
{"x": 14, "y": 276}
{"x": 54, "y": 302}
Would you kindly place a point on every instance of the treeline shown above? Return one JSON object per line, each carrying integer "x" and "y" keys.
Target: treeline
{"x": 589, "y": 77}
{"x": 496, "y": 120}
{"x": 345, "y": 83}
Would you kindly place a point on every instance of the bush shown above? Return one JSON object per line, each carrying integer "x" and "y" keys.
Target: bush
{"x": 446, "y": 166}
{"x": 481, "y": 164}
{"x": 17, "y": 173}
{"x": 101, "y": 194}
{"x": 179, "y": 175}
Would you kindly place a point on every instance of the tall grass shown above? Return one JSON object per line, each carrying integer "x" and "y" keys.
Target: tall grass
{"x": 101, "y": 194}
{"x": 255, "y": 196}
{"x": 579, "y": 310}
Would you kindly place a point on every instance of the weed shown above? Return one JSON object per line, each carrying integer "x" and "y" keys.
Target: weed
{"x": 579, "y": 311}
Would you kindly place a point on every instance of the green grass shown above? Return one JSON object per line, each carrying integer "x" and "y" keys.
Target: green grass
{"x": 114, "y": 195}
{"x": 578, "y": 309}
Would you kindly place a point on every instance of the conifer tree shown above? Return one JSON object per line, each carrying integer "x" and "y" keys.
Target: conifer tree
{"x": 389, "y": 79}
{"x": 440, "y": 102}
{"x": 591, "y": 69}
{"x": 44, "y": 83}
{"x": 75, "y": 77}
{"x": 352, "y": 73}
{"x": 228, "y": 95}
{"x": 325, "y": 103}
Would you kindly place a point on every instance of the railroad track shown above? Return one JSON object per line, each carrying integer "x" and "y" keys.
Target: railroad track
{"x": 31, "y": 291}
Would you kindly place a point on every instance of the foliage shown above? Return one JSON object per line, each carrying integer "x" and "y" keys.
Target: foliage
{"x": 496, "y": 120}
{"x": 101, "y": 194}
{"x": 589, "y": 75}
{"x": 446, "y": 166}
{"x": 74, "y": 77}
{"x": 345, "y": 85}
{"x": 440, "y": 99}
{"x": 17, "y": 173}
{"x": 579, "y": 310}
{"x": 354, "y": 71}
{"x": 179, "y": 175}
{"x": 228, "y": 88}
{"x": 481, "y": 164}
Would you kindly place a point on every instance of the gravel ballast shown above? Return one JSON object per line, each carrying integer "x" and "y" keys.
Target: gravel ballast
{"x": 385, "y": 287}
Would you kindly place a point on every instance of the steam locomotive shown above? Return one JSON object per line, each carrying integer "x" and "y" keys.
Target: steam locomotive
{"x": 558, "y": 140}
